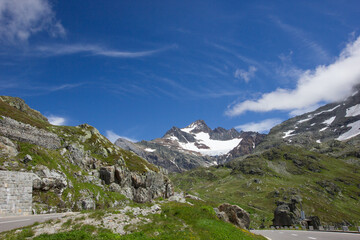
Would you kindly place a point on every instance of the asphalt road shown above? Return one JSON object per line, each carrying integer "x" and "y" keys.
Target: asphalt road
{"x": 302, "y": 235}
{"x": 9, "y": 223}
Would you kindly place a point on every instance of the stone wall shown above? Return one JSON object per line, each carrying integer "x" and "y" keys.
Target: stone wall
{"x": 15, "y": 193}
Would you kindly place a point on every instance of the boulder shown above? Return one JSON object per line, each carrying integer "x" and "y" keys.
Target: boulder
{"x": 27, "y": 159}
{"x": 286, "y": 214}
{"x": 7, "y": 147}
{"x": 234, "y": 214}
{"x": 45, "y": 180}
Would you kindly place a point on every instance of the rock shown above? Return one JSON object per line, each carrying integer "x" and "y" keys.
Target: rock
{"x": 329, "y": 187}
{"x": 193, "y": 197}
{"x": 286, "y": 214}
{"x": 26, "y": 159}
{"x": 107, "y": 174}
{"x": 314, "y": 221}
{"x": 235, "y": 215}
{"x": 177, "y": 197}
{"x": 46, "y": 180}
{"x": 86, "y": 204}
{"x": 221, "y": 215}
{"x": 7, "y": 147}
{"x": 23, "y": 132}
{"x": 114, "y": 187}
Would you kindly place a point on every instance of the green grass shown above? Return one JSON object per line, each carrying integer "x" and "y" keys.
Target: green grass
{"x": 283, "y": 177}
{"x": 176, "y": 221}
{"x": 9, "y": 111}
{"x": 182, "y": 221}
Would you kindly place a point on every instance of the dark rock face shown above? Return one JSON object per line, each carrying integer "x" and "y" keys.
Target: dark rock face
{"x": 172, "y": 159}
{"x": 182, "y": 136}
{"x": 136, "y": 186}
{"x": 247, "y": 145}
{"x": 233, "y": 214}
{"x": 286, "y": 214}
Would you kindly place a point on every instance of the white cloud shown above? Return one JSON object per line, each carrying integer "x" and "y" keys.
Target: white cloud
{"x": 61, "y": 49}
{"x": 19, "y": 19}
{"x": 245, "y": 75}
{"x": 262, "y": 127}
{"x": 324, "y": 84}
{"x": 113, "y": 137}
{"x": 56, "y": 120}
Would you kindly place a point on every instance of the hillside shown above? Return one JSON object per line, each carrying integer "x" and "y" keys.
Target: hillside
{"x": 328, "y": 187}
{"x": 74, "y": 168}
{"x": 116, "y": 194}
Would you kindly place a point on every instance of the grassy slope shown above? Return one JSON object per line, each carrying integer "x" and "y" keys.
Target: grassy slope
{"x": 277, "y": 178}
{"x": 176, "y": 221}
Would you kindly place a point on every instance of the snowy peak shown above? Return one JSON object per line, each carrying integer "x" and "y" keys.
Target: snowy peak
{"x": 339, "y": 121}
{"x": 199, "y": 138}
{"x": 196, "y": 127}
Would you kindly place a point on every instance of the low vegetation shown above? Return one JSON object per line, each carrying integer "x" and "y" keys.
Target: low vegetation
{"x": 328, "y": 187}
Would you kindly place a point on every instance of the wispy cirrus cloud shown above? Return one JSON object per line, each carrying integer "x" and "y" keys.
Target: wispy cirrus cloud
{"x": 324, "y": 84}
{"x": 261, "y": 127}
{"x": 245, "y": 75}
{"x": 299, "y": 34}
{"x": 19, "y": 19}
{"x": 97, "y": 50}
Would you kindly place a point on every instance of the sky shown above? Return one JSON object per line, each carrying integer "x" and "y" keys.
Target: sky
{"x": 136, "y": 68}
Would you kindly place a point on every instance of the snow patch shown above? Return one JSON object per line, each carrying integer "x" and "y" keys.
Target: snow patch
{"x": 304, "y": 120}
{"x": 353, "y": 111}
{"x": 150, "y": 150}
{"x": 216, "y": 147}
{"x": 354, "y": 131}
{"x": 323, "y": 129}
{"x": 329, "y": 121}
{"x": 330, "y": 110}
{"x": 189, "y": 128}
{"x": 288, "y": 134}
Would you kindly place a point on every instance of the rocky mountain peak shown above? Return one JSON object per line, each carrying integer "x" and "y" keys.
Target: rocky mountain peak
{"x": 199, "y": 126}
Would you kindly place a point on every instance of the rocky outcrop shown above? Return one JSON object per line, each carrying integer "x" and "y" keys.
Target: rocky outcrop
{"x": 233, "y": 214}
{"x": 7, "y": 147}
{"x": 286, "y": 214}
{"x": 45, "y": 180}
{"x": 138, "y": 187}
{"x": 22, "y": 132}
{"x": 247, "y": 146}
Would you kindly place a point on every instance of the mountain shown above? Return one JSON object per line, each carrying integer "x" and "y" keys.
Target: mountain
{"x": 313, "y": 158}
{"x": 339, "y": 121}
{"x": 181, "y": 149}
{"x": 73, "y": 168}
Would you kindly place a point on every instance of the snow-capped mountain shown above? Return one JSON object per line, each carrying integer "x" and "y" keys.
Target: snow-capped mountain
{"x": 335, "y": 121}
{"x": 199, "y": 138}
{"x": 193, "y": 146}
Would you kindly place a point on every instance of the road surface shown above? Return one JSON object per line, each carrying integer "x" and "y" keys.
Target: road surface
{"x": 305, "y": 235}
{"x": 13, "y": 222}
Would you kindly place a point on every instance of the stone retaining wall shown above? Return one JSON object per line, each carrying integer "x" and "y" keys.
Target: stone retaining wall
{"x": 15, "y": 193}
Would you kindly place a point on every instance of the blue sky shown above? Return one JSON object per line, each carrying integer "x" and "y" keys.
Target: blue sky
{"x": 137, "y": 68}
